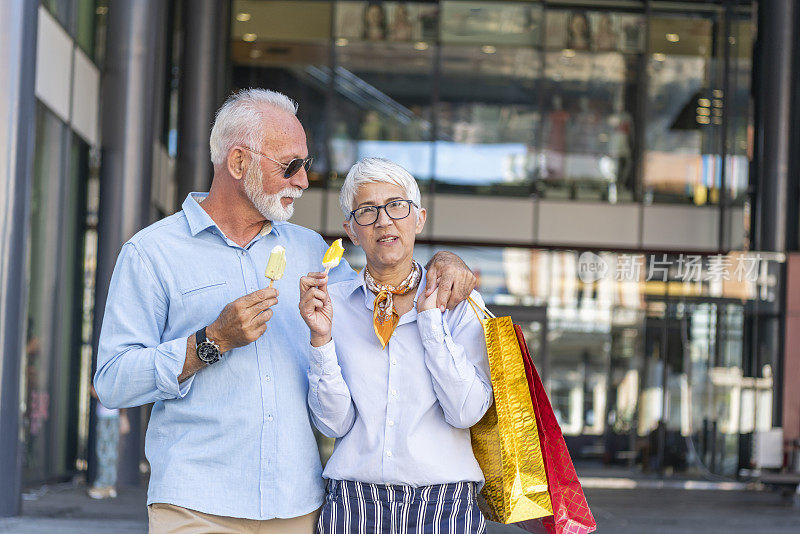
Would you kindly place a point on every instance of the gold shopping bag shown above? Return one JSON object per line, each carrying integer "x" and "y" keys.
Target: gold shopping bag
{"x": 506, "y": 440}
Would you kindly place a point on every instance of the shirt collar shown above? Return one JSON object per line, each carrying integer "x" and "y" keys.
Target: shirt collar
{"x": 199, "y": 219}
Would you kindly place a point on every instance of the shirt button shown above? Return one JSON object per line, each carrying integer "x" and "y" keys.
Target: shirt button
{"x": 389, "y": 454}
{"x": 394, "y": 393}
{"x": 394, "y": 362}
{"x": 267, "y": 378}
{"x": 269, "y": 418}
{"x": 243, "y": 252}
{"x": 390, "y": 423}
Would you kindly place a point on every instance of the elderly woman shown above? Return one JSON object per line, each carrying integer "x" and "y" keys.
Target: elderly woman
{"x": 393, "y": 378}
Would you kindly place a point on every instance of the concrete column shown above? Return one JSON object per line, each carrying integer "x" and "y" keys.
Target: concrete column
{"x": 204, "y": 81}
{"x": 772, "y": 89}
{"x": 129, "y": 81}
{"x": 18, "y": 29}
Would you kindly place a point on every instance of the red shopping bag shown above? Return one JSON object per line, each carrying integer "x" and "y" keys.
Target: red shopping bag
{"x": 571, "y": 513}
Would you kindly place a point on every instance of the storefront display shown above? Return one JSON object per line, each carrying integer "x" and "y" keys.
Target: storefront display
{"x": 510, "y": 98}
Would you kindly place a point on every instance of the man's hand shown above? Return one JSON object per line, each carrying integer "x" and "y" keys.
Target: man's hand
{"x": 240, "y": 323}
{"x": 316, "y": 307}
{"x": 451, "y": 277}
{"x": 244, "y": 320}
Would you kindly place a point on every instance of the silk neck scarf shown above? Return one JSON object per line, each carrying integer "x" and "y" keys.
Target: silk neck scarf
{"x": 385, "y": 317}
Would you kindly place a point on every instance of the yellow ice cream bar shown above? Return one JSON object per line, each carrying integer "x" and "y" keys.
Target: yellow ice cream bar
{"x": 333, "y": 255}
{"x": 276, "y": 263}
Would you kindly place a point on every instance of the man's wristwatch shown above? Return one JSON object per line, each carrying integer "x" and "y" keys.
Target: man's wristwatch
{"x": 207, "y": 350}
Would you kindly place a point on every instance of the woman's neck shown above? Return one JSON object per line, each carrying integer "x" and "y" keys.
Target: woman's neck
{"x": 392, "y": 276}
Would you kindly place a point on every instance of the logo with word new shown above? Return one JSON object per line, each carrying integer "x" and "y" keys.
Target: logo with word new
{"x": 591, "y": 267}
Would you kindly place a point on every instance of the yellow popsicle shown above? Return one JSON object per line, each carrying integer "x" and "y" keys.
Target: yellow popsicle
{"x": 276, "y": 264}
{"x": 333, "y": 255}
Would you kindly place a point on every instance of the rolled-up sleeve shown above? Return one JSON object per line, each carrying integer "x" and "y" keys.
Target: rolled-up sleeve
{"x": 458, "y": 364}
{"x": 134, "y": 365}
{"x": 328, "y": 395}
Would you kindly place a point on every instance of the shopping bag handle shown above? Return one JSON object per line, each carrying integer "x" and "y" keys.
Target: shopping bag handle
{"x": 476, "y": 307}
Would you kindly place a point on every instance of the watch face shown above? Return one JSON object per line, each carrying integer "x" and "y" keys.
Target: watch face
{"x": 207, "y": 352}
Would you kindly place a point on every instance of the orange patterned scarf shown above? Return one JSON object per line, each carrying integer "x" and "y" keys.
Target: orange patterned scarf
{"x": 385, "y": 317}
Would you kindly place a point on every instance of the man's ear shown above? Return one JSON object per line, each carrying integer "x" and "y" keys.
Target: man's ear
{"x": 422, "y": 216}
{"x": 236, "y": 163}
{"x": 350, "y": 233}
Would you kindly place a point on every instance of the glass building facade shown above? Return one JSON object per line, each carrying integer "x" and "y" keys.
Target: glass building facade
{"x": 514, "y": 98}
{"x": 594, "y": 162}
{"x": 556, "y": 108}
{"x": 61, "y": 245}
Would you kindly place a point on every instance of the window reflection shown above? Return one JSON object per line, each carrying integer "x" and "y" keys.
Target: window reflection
{"x": 488, "y": 118}
{"x": 685, "y": 107}
{"x": 637, "y": 373}
{"x": 384, "y": 57}
{"x": 52, "y": 357}
{"x": 739, "y": 135}
{"x": 513, "y": 98}
{"x": 285, "y": 46}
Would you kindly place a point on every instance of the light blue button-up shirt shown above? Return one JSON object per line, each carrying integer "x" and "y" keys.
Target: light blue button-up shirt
{"x": 235, "y": 439}
{"x": 401, "y": 414}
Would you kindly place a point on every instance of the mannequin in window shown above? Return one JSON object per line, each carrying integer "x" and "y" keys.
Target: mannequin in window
{"x": 401, "y": 28}
{"x": 555, "y": 139}
{"x": 583, "y": 131}
{"x": 578, "y": 32}
{"x": 620, "y": 127}
{"x": 606, "y": 38}
{"x": 374, "y": 22}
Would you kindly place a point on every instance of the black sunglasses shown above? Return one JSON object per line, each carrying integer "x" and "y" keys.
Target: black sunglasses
{"x": 291, "y": 168}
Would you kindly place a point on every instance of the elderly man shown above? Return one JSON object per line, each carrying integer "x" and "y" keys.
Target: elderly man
{"x": 192, "y": 326}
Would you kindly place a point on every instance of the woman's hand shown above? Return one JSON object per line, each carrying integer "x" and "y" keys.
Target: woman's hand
{"x": 316, "y": 308}
{"x": 450, "y": 274}
{"x": 429, "y": 302}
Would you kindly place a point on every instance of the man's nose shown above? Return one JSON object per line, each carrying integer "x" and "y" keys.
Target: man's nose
{"x": 300, "y": 178}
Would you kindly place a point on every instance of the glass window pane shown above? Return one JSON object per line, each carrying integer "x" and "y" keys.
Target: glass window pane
{"x": 488, "y": 116}
{"x": 43, "y": 272}
{"x": 591, "y": 68}
{"x": 85, "y": 15}
{"x": 384, "y": 57}
{"x": 284, "y": 46}
{"x": 740, "y": 121}
{"x": 495, "y": 23}
{"x": 684, "y": 108}
{"x": 53, "y": 358}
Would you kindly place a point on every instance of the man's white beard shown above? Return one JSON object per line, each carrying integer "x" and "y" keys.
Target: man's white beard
{"x": 269, "y": 206}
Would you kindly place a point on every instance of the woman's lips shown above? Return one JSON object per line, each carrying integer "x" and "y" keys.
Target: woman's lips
{"x": 388, "y": 240}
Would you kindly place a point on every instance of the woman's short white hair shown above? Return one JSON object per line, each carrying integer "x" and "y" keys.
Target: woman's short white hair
{"x": 376, "y": 170}
{"x": 240, "y": 120}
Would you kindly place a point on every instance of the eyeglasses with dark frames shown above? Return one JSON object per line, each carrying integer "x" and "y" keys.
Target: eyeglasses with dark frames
{"x": 289, "y": 169}
{"x": 396, "y": 210}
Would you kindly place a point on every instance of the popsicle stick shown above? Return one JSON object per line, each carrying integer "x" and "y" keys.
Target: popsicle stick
{"x": 271, "y": 281}
{"x": 327, "y": 269}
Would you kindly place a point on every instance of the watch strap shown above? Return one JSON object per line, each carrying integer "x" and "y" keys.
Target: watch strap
{"x": 200, "y": 336}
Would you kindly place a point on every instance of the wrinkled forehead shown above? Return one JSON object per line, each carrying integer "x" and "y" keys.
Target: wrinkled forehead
{"x": 378, "y": 192}
{"x": 283, "y": 130}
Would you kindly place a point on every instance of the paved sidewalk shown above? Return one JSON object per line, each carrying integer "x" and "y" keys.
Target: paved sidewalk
{"x": 66, "y": 509}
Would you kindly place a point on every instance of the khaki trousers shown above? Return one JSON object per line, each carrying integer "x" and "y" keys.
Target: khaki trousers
{"x": 171, "y": 519}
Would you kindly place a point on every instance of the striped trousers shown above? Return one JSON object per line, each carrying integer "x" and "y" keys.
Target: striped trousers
{"x": 361, "y": 508}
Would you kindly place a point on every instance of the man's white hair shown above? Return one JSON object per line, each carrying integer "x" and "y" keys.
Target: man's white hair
{"x": 376, "y": 170}
{"x": 239, "y": 120}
